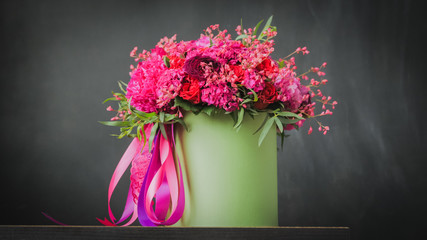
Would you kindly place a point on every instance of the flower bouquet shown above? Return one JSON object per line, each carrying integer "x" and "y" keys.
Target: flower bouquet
{"x": 241, "y": 96}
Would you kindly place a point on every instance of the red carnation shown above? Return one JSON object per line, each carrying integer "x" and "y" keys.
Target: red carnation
{"x": 266, "y": 96}
{"x": 176, "y": 62}
{"x": 190, "y": 90}
{"x": 238, "y": 71}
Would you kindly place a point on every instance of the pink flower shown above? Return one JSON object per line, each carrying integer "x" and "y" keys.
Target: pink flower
{"x": 138, "y": 170}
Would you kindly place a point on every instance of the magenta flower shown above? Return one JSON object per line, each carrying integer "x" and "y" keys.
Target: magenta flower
{"x": 194, "y": 66}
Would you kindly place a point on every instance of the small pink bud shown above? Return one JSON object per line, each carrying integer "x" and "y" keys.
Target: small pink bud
{"x": 310, "y": 130}
{"x": 324, "y": 64}
{"x": 324, "y": 132}
{"x": 109, "y": 108}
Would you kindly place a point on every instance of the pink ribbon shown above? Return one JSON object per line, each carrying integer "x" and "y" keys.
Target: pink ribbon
{"x": 161, "y": 191}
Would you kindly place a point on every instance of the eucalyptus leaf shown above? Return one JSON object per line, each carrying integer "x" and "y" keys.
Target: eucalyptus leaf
{"x": 169, "y": 117}
{"x": 116, "y": 123}
{"x": 186, "y": 105}
{"x": 208, "y": 109}
{"x": 289, "y": 114}
{"x": 109, "y": 99}
{"x": 180, "y": 121}
{"x": 262, "y": 125}
{"x": 241, "y": 36}
{"x": 257, "y": 27}
{"x": 152, "y": 135}
{"x": 240, "y": 117}
{"x": 279, "y": 124}
{"x": 288, "y": 121}
{"x": 163, "y": 130}
{"x": 265, "y": 130}
{"x": 162, "y": 116}
{"x": 247, "y": 100}
{"x": 166, "y": 61}
{"x": 255, "y": 95}
{"x": 266, "y": 26}
{"x": 121, "y": 87}
{"x": 282, "y": 139}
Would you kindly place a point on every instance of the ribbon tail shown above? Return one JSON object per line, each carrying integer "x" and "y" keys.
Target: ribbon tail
{"x": 54, "y": 220}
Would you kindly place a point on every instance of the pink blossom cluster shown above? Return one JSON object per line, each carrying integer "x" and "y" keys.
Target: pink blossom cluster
{"x": 216, "y": 70}
{"x": 138, "y": 170}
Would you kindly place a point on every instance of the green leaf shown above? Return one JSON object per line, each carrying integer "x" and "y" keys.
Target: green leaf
{"x": 262, "y": 125}
{"x": 162, "y": 116}
{"x": 152, "y": 135}
{"x": 180, "y": 121}
{"x": 241, "y": 36}
{"x": 282, "y": 138}
{"x": 266, "y": 26}
{"x": 166, "y": 61}
{"x": 255, "y": 95}
{"x": 116, "y": 123}
{"x": 233, "y": 115}
{"x": 289, "y": 114}
{"x": 138, "y": 132}
{"x": 169, "y": 117}
{"x": 246, "y": 101}
{"x": 163, "y": 130}
{"x": 109, "y": 99}
{"x": 281, "y": 64}
{"x": 208, "y": 109}
{"x": 257, "y": 27}
{"x": 289, "y": 121}
{"x": 186, "y": 105}
{"x": 121, "y": 83}
{"x": 210, "y": 42}
{"x": 240, "y": 117}
{"x": 252, "y": 111}
{"x": 265, "y": 130}
{"x": 279, "y": 124}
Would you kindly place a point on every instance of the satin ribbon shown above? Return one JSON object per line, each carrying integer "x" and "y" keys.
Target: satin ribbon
{"x": 162, "y": 191}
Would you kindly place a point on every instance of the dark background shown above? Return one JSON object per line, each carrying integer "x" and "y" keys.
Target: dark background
{"x": 61, "y": 59}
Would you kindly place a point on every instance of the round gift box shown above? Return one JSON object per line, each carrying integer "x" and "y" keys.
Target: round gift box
{"x": 229, "y": 180}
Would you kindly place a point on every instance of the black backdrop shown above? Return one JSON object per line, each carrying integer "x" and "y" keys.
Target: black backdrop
{"x": 60, "y": 59}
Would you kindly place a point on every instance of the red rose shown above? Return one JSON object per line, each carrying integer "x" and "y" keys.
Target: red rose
{"x": 190, "y": 90}
{"x": 266, "y": 65}
{"x": 238, "y": 71}
{"x": 266, "y": 96}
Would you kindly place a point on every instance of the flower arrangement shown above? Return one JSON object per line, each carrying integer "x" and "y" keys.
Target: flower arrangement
{"x": 213, "y": 74}
{"x": 218, "y": 74}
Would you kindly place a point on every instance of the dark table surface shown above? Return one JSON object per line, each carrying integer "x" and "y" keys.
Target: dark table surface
{"x": 101, "y": 232}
